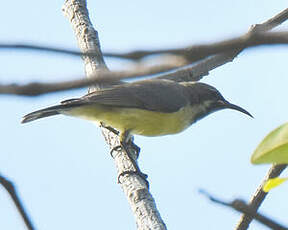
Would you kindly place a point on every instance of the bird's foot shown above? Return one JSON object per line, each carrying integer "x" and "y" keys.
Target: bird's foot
{"x": 131, "y": 144}
{"x": 139, "y": 173}
{"x": 126, "y": 147}
{"x": 116, "y": 148}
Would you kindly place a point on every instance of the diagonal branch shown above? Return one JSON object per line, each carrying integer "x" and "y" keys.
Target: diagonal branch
{"x": 202, "y": 68}
{"x": 258, "y": 197}
{"x": 10, "y": 188}
{"x": 139, "y": 198}
{"x": 102, "y": 77}
{"x": 194, "y": 53}
{"x": 266, "y": 26}
{"x": 241, "y": 206}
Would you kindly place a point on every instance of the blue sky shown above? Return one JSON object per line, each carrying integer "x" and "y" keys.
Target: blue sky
{"x": 62, "y": 166}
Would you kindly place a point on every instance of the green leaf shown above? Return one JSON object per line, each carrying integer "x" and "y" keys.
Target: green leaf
{"x": 274, "y": 147}
{"x": 272, "y": 183}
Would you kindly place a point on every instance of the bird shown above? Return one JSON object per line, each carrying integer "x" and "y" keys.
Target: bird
{"x": 151, "y": 107}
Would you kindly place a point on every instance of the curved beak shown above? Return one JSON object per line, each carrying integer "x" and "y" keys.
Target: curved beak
{"x": 228, "y": 105}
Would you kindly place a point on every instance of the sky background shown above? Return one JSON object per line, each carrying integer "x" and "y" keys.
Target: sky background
{"x": 61, "y": 165}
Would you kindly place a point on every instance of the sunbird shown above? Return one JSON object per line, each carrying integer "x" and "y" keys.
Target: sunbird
{"x": 151, "y": 107}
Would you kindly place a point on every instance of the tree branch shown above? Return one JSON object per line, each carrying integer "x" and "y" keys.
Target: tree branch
{"x": 200, "y": 69}
{"x": 259, "y": 197}
{"x": 191, "y": 53}
{"x": 103, "y": 77}
{"x": 198, "y": 52}
{"x": 140, "y": 200}
{"x": 10, "y": 188}
{"x": 241, "y": 206}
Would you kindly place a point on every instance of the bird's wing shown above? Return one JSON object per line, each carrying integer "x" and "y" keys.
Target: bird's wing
{"x": 154, "y": 95}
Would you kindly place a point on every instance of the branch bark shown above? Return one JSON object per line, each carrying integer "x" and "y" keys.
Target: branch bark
{"x": 140, "y": 200}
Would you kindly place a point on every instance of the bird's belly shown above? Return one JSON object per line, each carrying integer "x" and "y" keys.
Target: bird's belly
{"x": 138, "y": 121}
{"x": 149, "y": 123}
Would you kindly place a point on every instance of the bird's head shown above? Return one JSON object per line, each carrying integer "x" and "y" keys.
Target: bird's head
{"x": 208, "y": 99}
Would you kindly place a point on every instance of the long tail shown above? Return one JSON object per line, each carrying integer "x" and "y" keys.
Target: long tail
{"x": 50, "y": 111}
{"x": 53, "y": 110}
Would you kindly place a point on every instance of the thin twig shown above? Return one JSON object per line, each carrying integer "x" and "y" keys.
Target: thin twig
{"x": 198, "y": 52}
{"x": 103, "y": 77}
{"x": 191, "y": 53}
{"x": 195, "y": 53}
{"x": 241, "y": 206}
{"x": 41, "y": 48}
{"x": 10, "y": 188}
{"x": 259, "y": 197}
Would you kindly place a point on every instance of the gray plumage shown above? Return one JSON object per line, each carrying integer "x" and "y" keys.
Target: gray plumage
{"x": 154, "y": 95}
{"x": 148, "y": 94}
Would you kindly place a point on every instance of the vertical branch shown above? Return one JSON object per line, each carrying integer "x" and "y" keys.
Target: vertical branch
{"x": 87, "y": 37}
{"x": 135, "y": 189}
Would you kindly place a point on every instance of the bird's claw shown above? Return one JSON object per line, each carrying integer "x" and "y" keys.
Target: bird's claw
{"x": 139, "y": 173}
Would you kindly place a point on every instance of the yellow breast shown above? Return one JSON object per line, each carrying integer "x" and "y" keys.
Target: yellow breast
{"x": 138, "y": 121}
